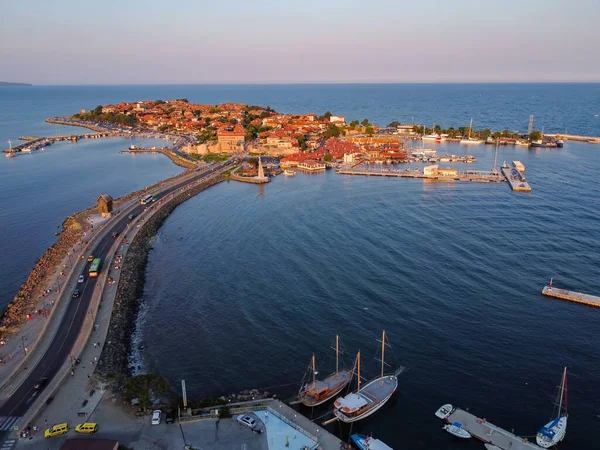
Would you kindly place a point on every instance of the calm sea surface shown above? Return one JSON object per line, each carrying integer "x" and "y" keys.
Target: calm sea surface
{"x": 245, "y": 282}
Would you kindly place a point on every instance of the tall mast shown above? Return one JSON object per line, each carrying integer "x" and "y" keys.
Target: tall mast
{"x": 336, "y": 354}
{"x": 382, "y": 352}
{"x": 470, "y": 128}
{"x": 314, "y": 369}
{"x": 562, "y": 391}
{"x": 358, "y": 362}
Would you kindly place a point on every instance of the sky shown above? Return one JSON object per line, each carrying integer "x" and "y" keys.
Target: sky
{"x": 70, "y": 42}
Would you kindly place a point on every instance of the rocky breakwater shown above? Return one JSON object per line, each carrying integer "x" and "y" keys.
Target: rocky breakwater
{"x": 24, "y": 302}
{"x": 113, "y": 365}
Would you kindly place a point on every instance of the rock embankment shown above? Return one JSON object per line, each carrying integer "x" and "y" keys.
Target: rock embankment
{"x": 23, "y": 303}
{"x": 114, "y": 361}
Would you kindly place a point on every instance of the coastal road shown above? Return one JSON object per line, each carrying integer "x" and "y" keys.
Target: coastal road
{"x": 59, "y": 350}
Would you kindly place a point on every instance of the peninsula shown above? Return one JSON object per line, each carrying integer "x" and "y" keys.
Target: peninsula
{"x": 10, "y": 84}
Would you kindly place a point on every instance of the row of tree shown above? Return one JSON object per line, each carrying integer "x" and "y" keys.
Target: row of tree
{"x": 96, "y": 115}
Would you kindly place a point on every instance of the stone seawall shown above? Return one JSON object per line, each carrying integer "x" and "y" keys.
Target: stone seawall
{"x": 114, "y": 361}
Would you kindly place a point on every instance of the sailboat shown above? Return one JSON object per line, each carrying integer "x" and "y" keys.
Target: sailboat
{"x": 469, "y": 139}
{"x": 554, "y": 431}
{"x": 368, "y": 399}
{"x": 369, "y": 443}
{"x": 318, "y": 392}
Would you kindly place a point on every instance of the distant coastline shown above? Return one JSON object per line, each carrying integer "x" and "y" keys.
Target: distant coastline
{"x": 9, "y": 84}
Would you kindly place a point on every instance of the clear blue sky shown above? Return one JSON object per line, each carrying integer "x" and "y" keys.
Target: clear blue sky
{"x": 262, "y": 41}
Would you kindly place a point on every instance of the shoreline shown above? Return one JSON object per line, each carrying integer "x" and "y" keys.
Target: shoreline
{"x": 113, "y": 364}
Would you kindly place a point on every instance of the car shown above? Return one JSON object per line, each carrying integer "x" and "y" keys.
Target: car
{"x": 56, "y": 430}
{"x": 76, "y": 293}
{"x": 115, "y": 234}
{"x": 90, "y": 258}
{"x": 170, "y": 416}
{"x": 80, "y": 279}
{"x": 245, "y": 419}
{"x": 87, "y": 428}
{"x": 40, "y": 383}
{"x": 156, "y": 417}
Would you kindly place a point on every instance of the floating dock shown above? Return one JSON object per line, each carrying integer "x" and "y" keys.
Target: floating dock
{"x": 571, "y": 296}
{"x": 490, "y": 433}
{"x": 516, "y": 180}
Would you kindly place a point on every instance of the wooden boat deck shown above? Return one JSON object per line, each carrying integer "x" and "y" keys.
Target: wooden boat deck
{"x": 377, "y": 390}
{"x": 329, "y": 383}
{"x": 490, "y": 433}
{"x": 577, "y": 297}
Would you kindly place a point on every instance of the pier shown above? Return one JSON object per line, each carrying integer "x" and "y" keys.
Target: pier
{"x": 516, "y": 180}
{"x": 490, "y": 433}
{"x": 477, "y": 176}
{"x": 571, "y": 296}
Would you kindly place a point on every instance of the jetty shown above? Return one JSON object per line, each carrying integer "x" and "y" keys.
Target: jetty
{"x": 489, "y": 433}
{"x": 571, "y": 296}
{"x": 516, "y": 180}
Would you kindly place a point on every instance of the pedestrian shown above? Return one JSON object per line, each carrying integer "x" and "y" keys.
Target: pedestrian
{"x": 88, "y": 376}
{"x": 10, "y": 356}
{"x": 26, "y": 349}
{"x": 95, "y": 359}
{"x": 94, "y": 345}
{"x": 91, "y": 363}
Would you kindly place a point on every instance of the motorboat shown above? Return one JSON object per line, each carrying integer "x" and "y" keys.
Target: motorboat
{"x": 369, "y": 443}
{"x": 444, "y": 411}
{"x": 456, "y": 429}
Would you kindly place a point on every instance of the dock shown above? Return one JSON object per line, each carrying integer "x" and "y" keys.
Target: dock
{"x": 450, "y": 175}
{"x": 490, "y": 433}
{"x": 571, "y": 296}
{"x": 516, "y": 180}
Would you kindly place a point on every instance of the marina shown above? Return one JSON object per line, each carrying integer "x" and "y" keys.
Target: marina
{"x": 490, "y": 434}
{"x": 571, "y": 296}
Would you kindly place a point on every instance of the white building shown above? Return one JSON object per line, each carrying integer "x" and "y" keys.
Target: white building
{"x": 337, "y": 120}
{"x": 348, "y": 158}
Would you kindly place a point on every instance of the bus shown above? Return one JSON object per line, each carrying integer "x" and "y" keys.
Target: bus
{"x": 95, "y": 267}
{"x": 146, "y": 199}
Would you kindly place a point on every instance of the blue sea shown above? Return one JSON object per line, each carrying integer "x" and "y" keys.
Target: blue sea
{"x": 246, "y": 282}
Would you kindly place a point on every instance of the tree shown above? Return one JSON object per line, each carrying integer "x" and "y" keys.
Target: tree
{"x": 332, "y": 131}
{"x": 354, "y": 124}
{"x": 506, "y": 133}
{"x": 302, "y": 142}
{"x": 142, "y": 387}
{"x": 365, "y": 123}
{"x": 535, "y": 135}
{"x": 370, "y": 131}
{"x": 98, "y": 110}
{"x": 394, "y": 124}
{"x": 328, "y": 157}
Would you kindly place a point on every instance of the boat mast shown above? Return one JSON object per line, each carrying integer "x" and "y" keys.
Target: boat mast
{"x": 358, "y": 363}
{"x": 470, "y": 127}
{"x": 336, "y": 354}
{"x": 314, "y": 372}
{"x": 382, "y": 352}
{"x": 562, "y": 391}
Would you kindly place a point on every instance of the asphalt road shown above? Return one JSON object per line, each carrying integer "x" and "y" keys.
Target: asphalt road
{"x": 59, "y": 350}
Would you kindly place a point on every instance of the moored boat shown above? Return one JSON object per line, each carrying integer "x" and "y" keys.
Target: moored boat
{"x": 369, "y": 443}
{"x": 371, "y": 397}
{"x": 555, "y": 430}
{"x": 469, "y": 139}
{"x": 444, "y": 411}
{"x": 456, "y": 429}
{"x": 289, "y": 173}
{"x": 560, "y": 143}
{"x": 319, "y": 391}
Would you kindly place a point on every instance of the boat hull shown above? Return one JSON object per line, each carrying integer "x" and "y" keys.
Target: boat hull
{"x": 366, "y": 443}
{"x": 457, "y": 431}
{"x": 559, "y": 429}
{"x": 375, "y": 407}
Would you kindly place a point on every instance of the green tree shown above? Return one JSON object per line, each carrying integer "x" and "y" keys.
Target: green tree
{"x": 302, "y": 142}
{"x": 145, "y": 387}
{"x": 535, "y": 135}
{"x": 98, "y": 110}
{"x": 354, "y": 124}
{"x": 328, "y": 157}
{"x": 370, "y": 131}
{"x": 506, "y": 133}
{"x": 394, "y": 124}
{"x": 332, "y": 131}
{"x": 365, "y": 123}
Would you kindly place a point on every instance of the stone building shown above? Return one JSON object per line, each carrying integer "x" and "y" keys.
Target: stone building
{"x": 105, "y": 205}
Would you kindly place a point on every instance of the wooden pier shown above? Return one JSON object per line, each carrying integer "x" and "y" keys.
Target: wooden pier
{"x": 571, "y": 296}
{"x": 490, "y": 433}
{"x": 516, "y": 180}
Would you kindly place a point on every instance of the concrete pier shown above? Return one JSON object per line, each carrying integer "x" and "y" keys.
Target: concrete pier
{"x": 516, "y": 180}
{"x": 490, "y": 433}
{"x": 571, "y": 296}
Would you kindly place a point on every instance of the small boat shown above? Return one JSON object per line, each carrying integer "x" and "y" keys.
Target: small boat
{"x": 368, "y": 399}
{"x": 289, "y": 173}
{"x": 11, "y": 154}
{"x": 555, "y": 430}
{"x": 560, "y": 143}
{"x": 444, "y": 411}
{"x": 369, "y": 443}
{"x": 318, "y": 392}
{"x": 456, "y": 429}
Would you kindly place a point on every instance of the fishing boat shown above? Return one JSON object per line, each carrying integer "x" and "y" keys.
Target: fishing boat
{"x": 444, "y": 411}
{"x": 319, "y": 391}
{"x": 469, "y": 139}
{"x": 456, "y": 430}
{"x": 368, "y": 399}
{"x": 560, "y": 143}
{"x": 369, "y": 443}
{"x": 554, "y": 431}
{"x": 289, "y": 173}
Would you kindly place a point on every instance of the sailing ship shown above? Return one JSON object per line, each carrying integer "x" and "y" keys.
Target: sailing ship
{"x": 469, "y": 139}
{"x": 319, "y": 391}
{"x": 554, "y": 431}
{"x": 368, "y": 399}
{"x": 368, "y": 443}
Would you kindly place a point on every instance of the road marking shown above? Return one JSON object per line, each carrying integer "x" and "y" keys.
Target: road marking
{"x": 9, "y": 444}
{"x": 8, "y": 422}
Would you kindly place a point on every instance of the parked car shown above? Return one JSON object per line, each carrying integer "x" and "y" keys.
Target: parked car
{"x": 80, "y": 279}
{"x": 40, "y": 383}
{"x": 156, "y": 417}
{"x": 90, "y": 258}
{"x": 245, "y": 419}
{"x": 56, "y": 430}
{"x": 76, "y": 293}
{"x": 170, "y": 416}
{"x": 87, "y": 428}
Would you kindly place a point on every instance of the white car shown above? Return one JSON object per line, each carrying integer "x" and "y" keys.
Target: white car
{"x": 156, "y": 417}
{"x": 80, "y": 279}
{"x": 246, "y": 420}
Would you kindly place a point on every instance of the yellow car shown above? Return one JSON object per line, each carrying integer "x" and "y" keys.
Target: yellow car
{"x": 87, "y": 427}
{"x": 56, "y": 430}
{"x": 90, "y": 258}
